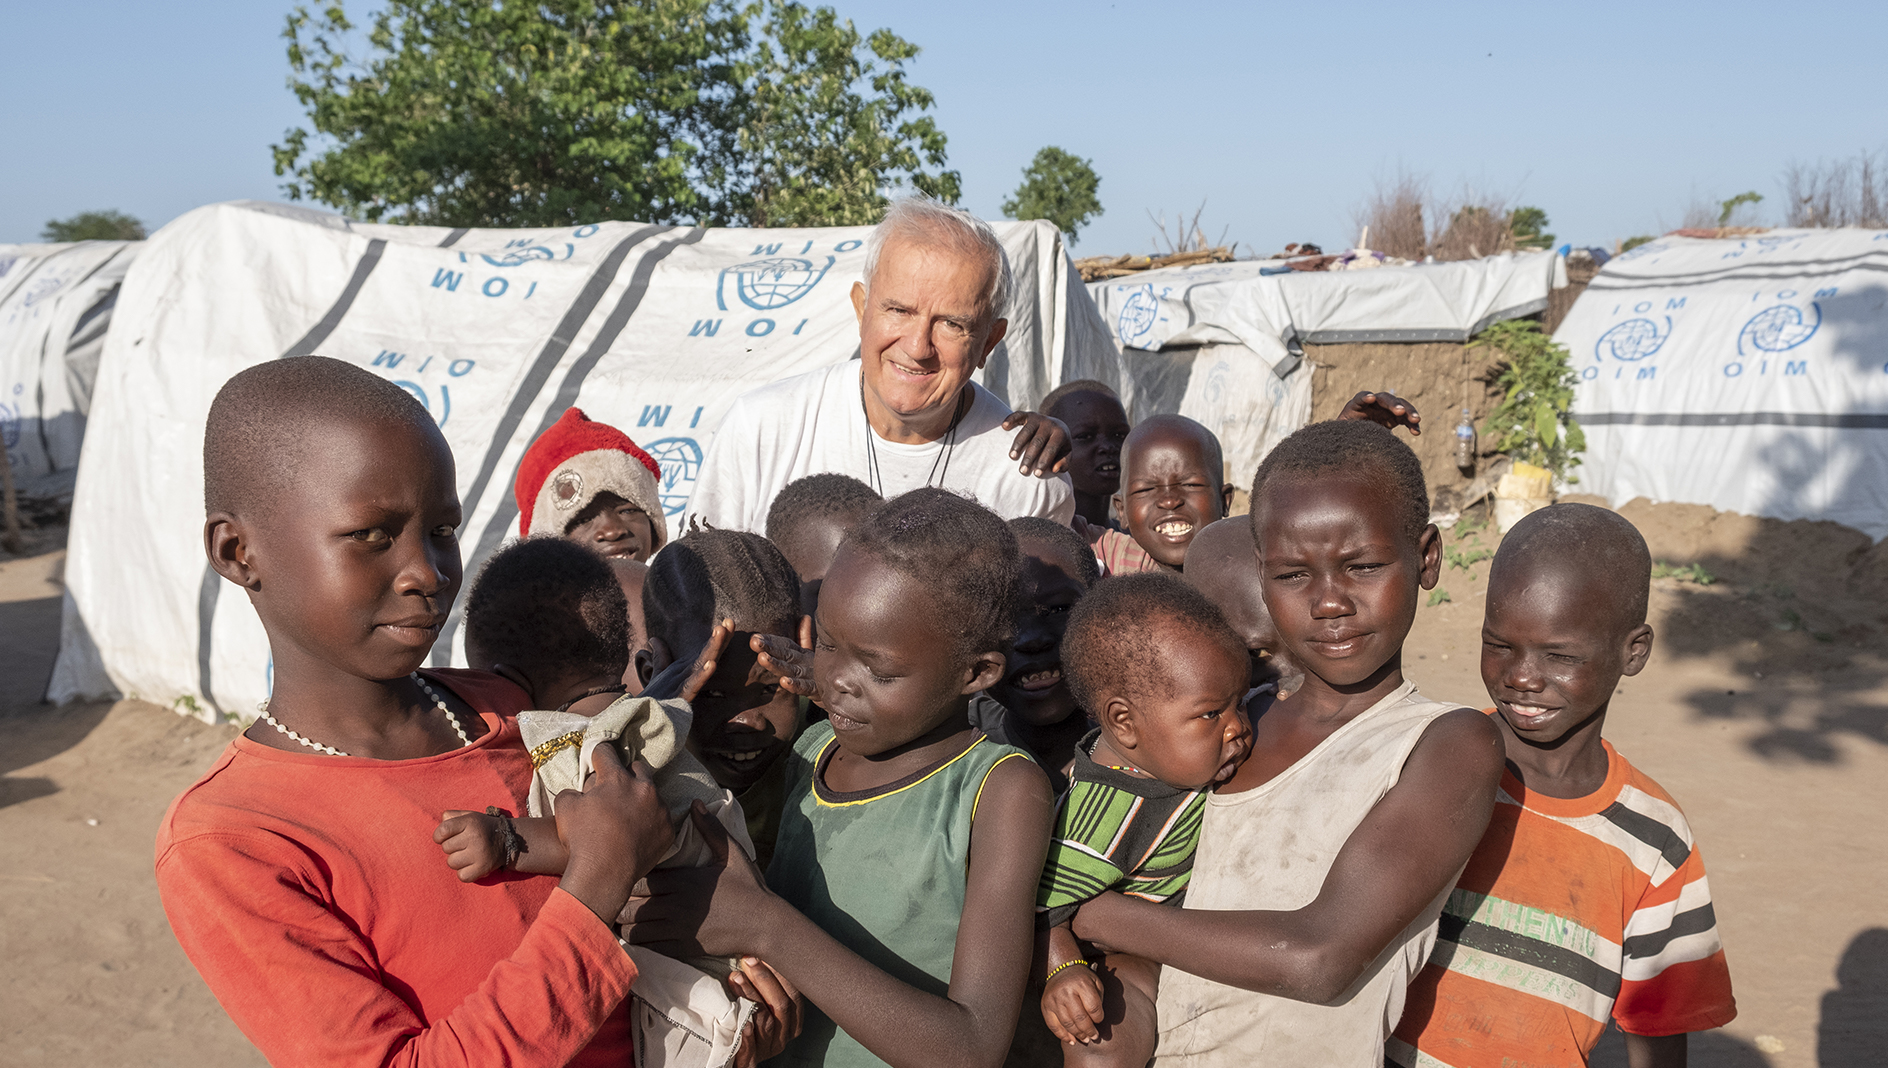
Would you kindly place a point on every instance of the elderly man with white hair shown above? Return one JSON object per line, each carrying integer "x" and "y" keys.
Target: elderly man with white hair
{"x": 905, "y": 414}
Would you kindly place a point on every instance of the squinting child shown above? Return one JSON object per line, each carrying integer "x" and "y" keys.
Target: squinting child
{"x": 1031, "y": 706}
{"x": 1097, "y": 426}
{"x": 1172, "y": 485}
{"x": 1324, "y": 862}
{"x": 1165, "y": 677}
{"x": 1223, "y": 565}
{"x": 902, "y": 889}
{"x": 1586, "y": 900}
{"x": 711, "y": 598}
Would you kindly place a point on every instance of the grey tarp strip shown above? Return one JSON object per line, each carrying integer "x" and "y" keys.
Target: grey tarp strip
{"x": 453, "y": 238}
{"x": 206, "y": 615}
{"x": 566, "y": 394}
{"x": 39, "y": 386}
{"x": 549, "y": 357}
{"x": 1771, "y": 272}
{"x": 319, "y": 333}
{"x": 1625, "y": 273}
{"x": 1357, "y": 337}
{"x": 1840, "y": 421}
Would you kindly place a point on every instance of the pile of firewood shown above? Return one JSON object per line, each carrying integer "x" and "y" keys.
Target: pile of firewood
{"x": 1096, "y": 268}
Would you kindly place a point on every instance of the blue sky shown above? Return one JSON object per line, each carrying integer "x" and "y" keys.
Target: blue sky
{"x": 1612, "y": 117}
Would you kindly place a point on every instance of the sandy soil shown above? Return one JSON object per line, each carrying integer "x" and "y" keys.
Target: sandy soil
{"x": 1764, "y": 710}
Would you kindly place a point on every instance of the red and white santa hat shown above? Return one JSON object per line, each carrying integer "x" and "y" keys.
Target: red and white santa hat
{"x": 572, "y": 462}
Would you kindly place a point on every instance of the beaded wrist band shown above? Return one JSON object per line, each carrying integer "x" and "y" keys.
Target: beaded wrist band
{"x": 1065, "y": 964}
{"x": 514, "y": 842}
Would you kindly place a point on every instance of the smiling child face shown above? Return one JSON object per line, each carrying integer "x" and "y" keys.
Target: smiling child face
{"x": 611, "y": 526}
{"x": 1032, "y": 686}
{"x": 1097, "y": 428}
{"x": 744, "y": 719}
{"x": 1555, "y": 642}
{"x": 1170, "y": 488}
{"x": 1341, "y": 573}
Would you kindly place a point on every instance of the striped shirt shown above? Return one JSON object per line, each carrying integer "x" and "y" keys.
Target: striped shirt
{"x": 1119, "y": 554}
{"x": 1571, "y": 911}
{"x": 1114, "y": 831}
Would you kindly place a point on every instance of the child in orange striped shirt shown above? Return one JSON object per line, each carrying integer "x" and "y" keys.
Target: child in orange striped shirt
{"x": 1586, "y": 899}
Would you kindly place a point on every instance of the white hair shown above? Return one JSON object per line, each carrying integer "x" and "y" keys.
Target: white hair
{"x": 926, "y": 221}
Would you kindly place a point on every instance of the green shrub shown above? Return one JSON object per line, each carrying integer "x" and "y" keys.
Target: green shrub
{"x": 1534, "y": 421}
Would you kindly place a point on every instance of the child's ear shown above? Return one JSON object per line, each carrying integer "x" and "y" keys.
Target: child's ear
{"x": 986, "y": 670}
{"x": 226, "y": 543}
{"x": 1638, "y": 649}
{"x": 1225, "y": 500}
{"x": 1120, "y": 507}
{"x": 1118, "y": 717}
{"x": 652, "y": 658}
{"x": 1429, "y": 547}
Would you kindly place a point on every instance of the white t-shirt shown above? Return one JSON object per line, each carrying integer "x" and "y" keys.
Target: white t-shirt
{"x": 814, "y": 423}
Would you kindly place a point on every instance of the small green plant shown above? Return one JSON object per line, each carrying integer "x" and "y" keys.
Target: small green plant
{"x": 1438, "y": 596}
{"x": 1634, "y": 242}
{"x": 1730, "y": 206}
{"x": 1694, "y": 573}
{"x": 1534, "y": 421}
{"x": 1465, "y": 559}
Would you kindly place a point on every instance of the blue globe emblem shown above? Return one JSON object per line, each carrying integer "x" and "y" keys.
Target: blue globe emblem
{"x": 516, "y": 256}
{"x": 1777, "y": 329}
{"x": 774, "y": 282}
{"x": 1138, "y": 313}
{"x": 1632, "y": 340}
{"x": 680, "y": 461}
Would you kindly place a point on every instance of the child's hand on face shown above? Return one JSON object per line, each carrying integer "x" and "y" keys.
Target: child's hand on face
{"x": 1071, "y": 1004}
{"x": 474, "y": 843}
{"x": 685, "y": 680}
{"x": 793, "y": 663}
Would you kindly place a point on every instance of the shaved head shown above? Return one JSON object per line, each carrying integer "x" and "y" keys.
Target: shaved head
{"x": 263, "y": 419}
{"x": 1580, "y": 544}
{"x": 1175, "y": 428}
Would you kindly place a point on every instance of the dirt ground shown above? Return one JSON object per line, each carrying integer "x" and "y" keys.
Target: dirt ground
{"x": 1764, "y": 711}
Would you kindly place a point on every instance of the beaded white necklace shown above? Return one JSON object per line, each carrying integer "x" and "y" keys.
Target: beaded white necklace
{"x": 438, "y": 702}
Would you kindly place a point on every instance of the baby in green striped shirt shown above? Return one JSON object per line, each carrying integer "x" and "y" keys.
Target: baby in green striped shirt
{"x": 1157, "y": 666}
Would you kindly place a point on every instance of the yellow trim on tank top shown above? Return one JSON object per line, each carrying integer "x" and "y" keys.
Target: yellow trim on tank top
{"x": 974, "y": 802}
{"x": 830, "y": 742}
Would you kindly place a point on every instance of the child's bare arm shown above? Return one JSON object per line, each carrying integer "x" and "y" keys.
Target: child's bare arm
{"x": 1071, "y": 991}
{"x": 728, "y": 910}
{"x": 1408, "y": 849}
{"x": 1665, "y": 1051}
{"x": 474, "y": 843}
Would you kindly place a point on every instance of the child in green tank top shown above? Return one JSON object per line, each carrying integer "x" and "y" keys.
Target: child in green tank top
{"x": 901, "y": 895}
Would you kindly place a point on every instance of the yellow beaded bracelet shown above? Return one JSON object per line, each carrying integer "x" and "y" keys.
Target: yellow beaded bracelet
{"x": 1065, "y": 964}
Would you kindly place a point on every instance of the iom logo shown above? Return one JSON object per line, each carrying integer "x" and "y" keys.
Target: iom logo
{"x": 680, "y": 462}
{"x": 1633, "y": 340}
{"x": 774, "y": 282}
{"x": 1138, "y": 315}
{"x": 517, "y": 257}
{"x": 1777, "y": 329}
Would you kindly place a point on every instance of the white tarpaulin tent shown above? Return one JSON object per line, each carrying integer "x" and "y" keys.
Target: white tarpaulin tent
{"x": 55, "y": 303}
{"x": 1747, "y": 374}
{"x": 1221, "y": 342}
{"x": 655, "y": 329}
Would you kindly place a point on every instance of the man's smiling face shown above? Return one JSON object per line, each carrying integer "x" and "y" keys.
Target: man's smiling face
{"x": 924, "y": 329}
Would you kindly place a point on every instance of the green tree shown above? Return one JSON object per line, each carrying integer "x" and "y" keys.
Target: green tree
{"x": 1534, "y": 422}
{"x": 557, "y": 112}
{"x": 1530, "y": 228}
{"x": 1059, "y": 187}
{"x": 94, "y": 226}
{"x": 826, "y": 124}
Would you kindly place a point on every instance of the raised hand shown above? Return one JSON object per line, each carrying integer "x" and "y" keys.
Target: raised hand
{"x": 1042, "y": 444}
{"x": 684, "y": 679}
{"x": 1383, "y": 409}
{"x": 793, "y": 663}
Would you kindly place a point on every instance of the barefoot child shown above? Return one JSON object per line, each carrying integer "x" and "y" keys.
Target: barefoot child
{"x": 902, "y": 889}
{"x": 1324, "y": 862}
{"x": 298, "y": 872}
{"x": 1165, "y": 676}
{"x": 1172, "y": 485}
{"x": 1031, "y": 707}
{"x": 1097, "y": 426}
{"x": 1586, "y": 900}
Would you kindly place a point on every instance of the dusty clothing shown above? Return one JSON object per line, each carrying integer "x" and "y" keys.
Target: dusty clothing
{"x": 684, "y": 1016}
{"x": 1572, "y": 911}
{"x": 813, "y": 423}
{"x": 1118, "y": 553}
{"x": 308, "y": 892}
{"x": 1270, "y": 847}
{"x": 1115, "y": 831}
{"x": 883, "y": 871}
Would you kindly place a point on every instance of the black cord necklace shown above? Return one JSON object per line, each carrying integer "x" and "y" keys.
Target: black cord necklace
{"x": 943, "y": 456}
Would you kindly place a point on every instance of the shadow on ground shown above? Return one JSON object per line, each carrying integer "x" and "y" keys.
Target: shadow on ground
{"x": 30, "y": 731}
